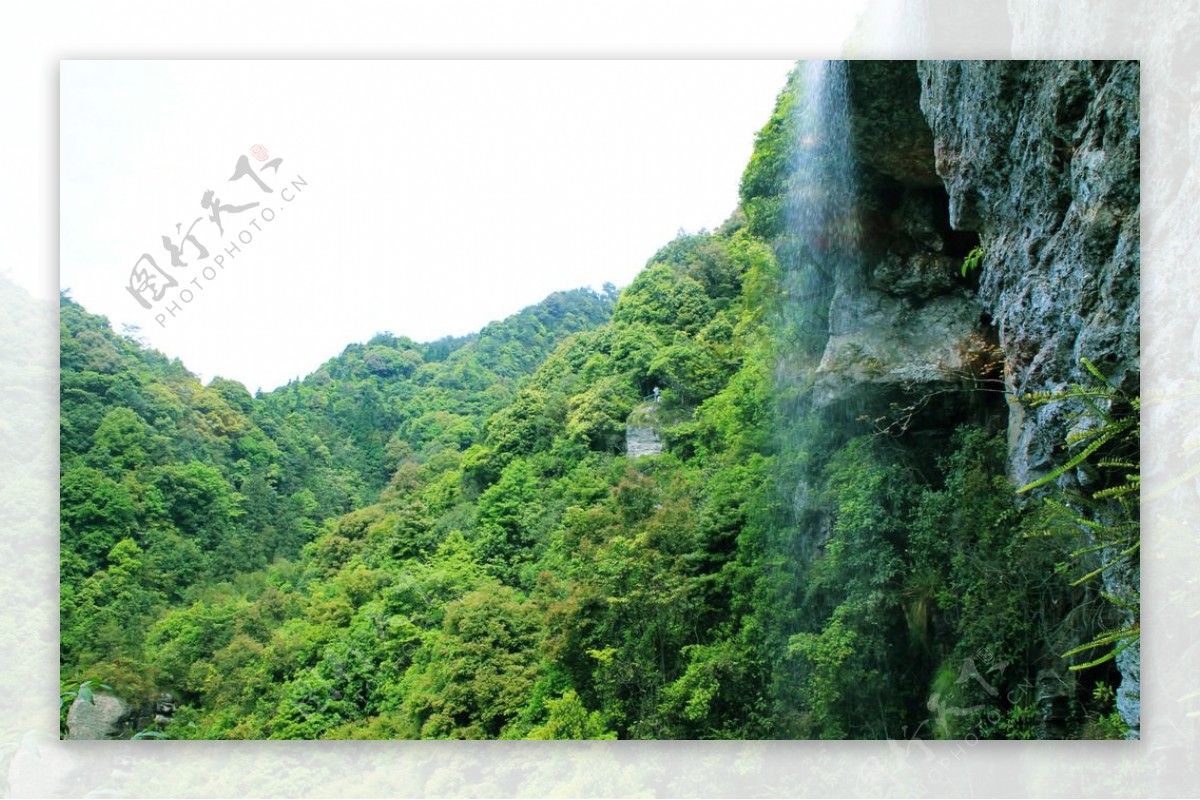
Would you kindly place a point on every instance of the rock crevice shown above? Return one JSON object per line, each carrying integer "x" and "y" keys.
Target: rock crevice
{"x": 1041, "y": 160}
{"x": 1037, "y": 164}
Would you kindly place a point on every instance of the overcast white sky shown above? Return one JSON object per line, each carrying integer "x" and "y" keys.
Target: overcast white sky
{"x": 440, "y": 195}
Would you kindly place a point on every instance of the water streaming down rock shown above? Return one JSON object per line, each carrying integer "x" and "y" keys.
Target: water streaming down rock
{"x": 876, "y": 335}
{"x": 822, "y": 230}
{"x": 897, "y": 170}
{"x": 819, "y": 249}
{"x": 874, "y": 320}
{"x": 822, "y": 201}
{"x": 820, "y": 241}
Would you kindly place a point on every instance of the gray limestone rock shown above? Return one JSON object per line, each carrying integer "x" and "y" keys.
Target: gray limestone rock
{"x": 100, "y": 719}
{"x": 642, "y": 442}
{"x": 1041, "y": 159}
{"x": 641, "y": 431}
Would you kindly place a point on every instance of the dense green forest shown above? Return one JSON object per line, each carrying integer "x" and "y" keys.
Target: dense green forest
{"x": 448, "y": 539}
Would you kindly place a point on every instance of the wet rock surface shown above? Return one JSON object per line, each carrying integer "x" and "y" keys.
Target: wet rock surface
{"x": 903, "y": 321}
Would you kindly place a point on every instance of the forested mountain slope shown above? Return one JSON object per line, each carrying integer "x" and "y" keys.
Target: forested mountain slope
{"x": 449, "y": 540}
{"x": 197, "y": 484}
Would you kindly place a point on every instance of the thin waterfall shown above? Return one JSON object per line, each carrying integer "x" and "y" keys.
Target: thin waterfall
{"x": 822, "y": 202}
{"x": 823, "y": 232}
{"x": 820, "y": 248}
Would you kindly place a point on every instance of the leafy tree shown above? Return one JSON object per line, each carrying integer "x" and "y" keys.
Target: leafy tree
{"x": 764, "y": 182}
{"x": 661, "y": 297}
{"x": 569, "y": 718}
{"x": 474, "y": 675}
{"x": 597, "y": 416}
{"x": 689, "y": 368}
{"x": 97, "y": 512}
{"x": 509, "y": 513}
{"x": 120, "y": 443}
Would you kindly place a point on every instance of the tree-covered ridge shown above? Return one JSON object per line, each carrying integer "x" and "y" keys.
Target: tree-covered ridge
{"x": 185, "y": 484}
{"x": 377, "y": 401}
{"x": 526, "y": 526}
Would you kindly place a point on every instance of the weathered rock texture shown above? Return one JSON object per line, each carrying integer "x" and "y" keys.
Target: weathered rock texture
{"x": 1037, "y": 163}
{"x": 904, "y": 326}
{"x": 102, "y": 718}
{"x": 641, "y": 432}
{"x": 1041, "y": 160}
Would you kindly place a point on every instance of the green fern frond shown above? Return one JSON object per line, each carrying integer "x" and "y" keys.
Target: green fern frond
{"x": 1108, "y": 435}
{"x": 1118, "y": 491}
{"x": 1122, "y": 638}
{"x": 1106, "y": 412}
{"x": 1090, "y": 367}
{"x": 1074, "y": 393}
{"x": 1107, "y": 564}
{"x": 1131, "y": 605}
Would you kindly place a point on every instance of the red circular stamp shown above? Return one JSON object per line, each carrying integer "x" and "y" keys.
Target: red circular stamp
{"x": 259, "y": 152}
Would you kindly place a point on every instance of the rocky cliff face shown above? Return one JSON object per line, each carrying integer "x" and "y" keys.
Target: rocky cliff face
{"x": 1036, "y": 163}
{"x": 1041, "y": 159}
{"x": 642, "y": 432}
{"x": 904, "y": 325}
